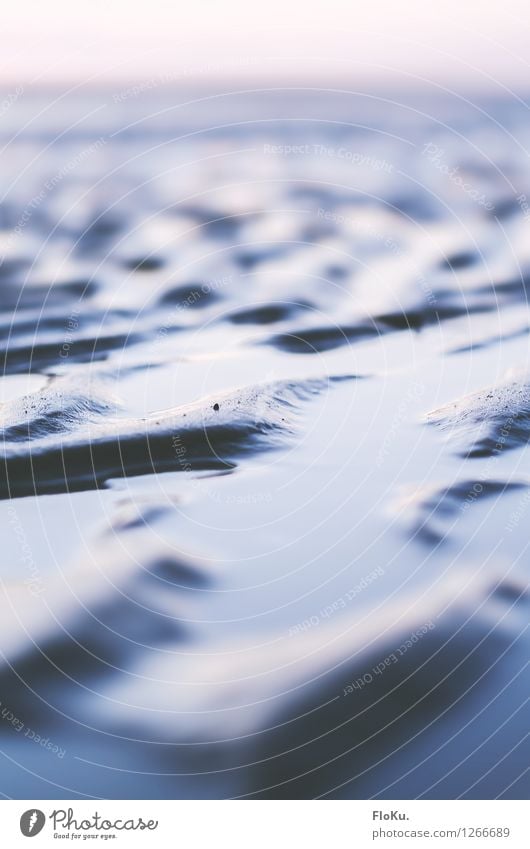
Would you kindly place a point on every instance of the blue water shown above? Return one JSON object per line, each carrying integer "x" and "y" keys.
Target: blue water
{"x": 265, "y": 416}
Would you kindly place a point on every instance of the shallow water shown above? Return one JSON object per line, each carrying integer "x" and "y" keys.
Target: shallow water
{"x": 265, "y": 415}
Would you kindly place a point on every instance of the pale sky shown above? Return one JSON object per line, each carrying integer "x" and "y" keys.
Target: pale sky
{"x": 456, "y": 42}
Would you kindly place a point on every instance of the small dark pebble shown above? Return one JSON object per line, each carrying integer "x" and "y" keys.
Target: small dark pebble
{"x": 216, "y": 407}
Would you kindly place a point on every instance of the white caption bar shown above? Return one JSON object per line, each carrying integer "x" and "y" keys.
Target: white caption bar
{"x": 265, "y": 824}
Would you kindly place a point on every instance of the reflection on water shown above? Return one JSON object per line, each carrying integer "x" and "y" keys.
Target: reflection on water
{"x": 258, "y": 349}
